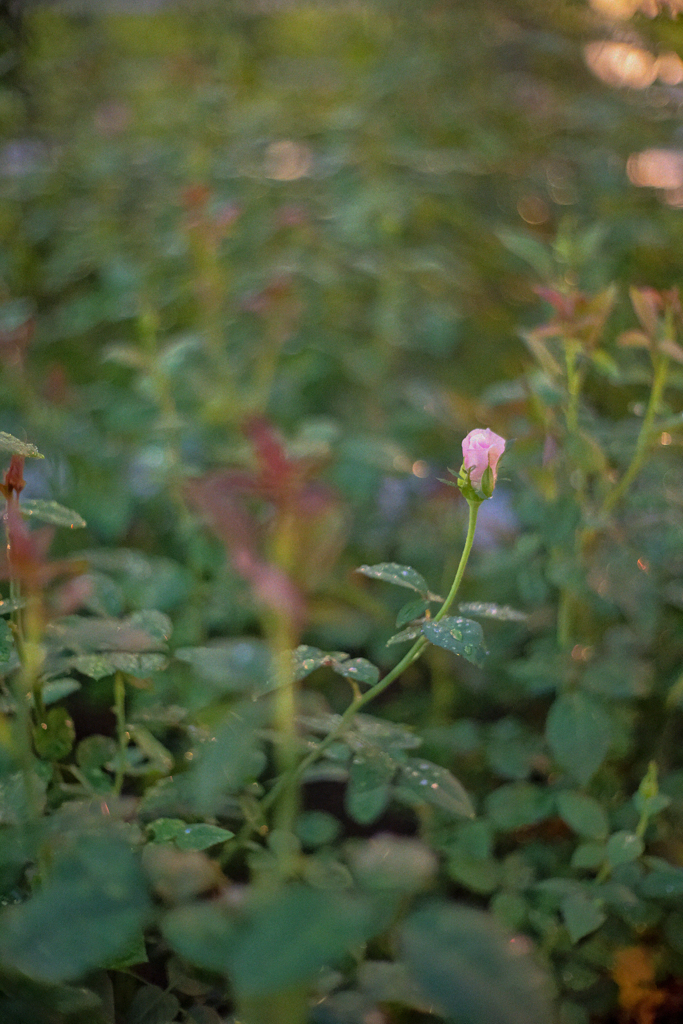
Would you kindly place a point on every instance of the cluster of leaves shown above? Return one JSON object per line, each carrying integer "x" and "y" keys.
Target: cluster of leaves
{"x": 296, "y": 218}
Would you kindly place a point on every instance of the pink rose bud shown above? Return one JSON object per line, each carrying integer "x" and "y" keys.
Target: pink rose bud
{"x": 481, "y": 451}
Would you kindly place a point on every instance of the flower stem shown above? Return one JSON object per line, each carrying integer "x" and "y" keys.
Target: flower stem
{"x": 642, "y": 444}
{"x": 361, "y": 700}
{"x": 574, "y": 382}
{"x": 469, "y": 540}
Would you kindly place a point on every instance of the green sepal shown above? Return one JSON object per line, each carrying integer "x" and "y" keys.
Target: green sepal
{"x": 487, "y": 482}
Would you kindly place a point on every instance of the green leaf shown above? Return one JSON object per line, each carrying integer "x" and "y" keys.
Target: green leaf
{"x": 411, "y": 633}
{"x": 583, "y": 814}
{"x": 51, "y": 512}
{"x": 424, "y": 782}
{"x": 475, "y": 874}
{"x": 488, "y": 610}
{"x": 203, "y": 1015}
{"x": 54, "y": 737}
{"x": 368, "y": 791}
{"x": 360, "y": 669}
{"x": 510, "y": 909}
{"x": 202, "y": 836}
{"x": 151, "y": 1005}
{"x": 165, "y": 830}
{"x": 11, "y": 444}
{"x": 95, "y": 666}
{"x": 400, "y": 575}
{"x": 95, "y": 751}
{"x": 229, "y": 761}
{"x": 307, "y": 659}
{"x": 15, "y": 805}
{"x": 159, "y": 758}
{"x": 581, "y": 915}
{"x": 278, "y": 941}
{"x": 410, "y": 611}
{"x": 231, "y": 665}
{"x": 90, "y": 908}
{"x": 57, "y": 689}
{"x": 579, "y": 734}
{"x": 588, "y": 856}
{"x": 98, "y": 666}
{"x": 623, "y": 847}
{"x": 518, "y": 804}
{"x": 134, "y": 952}
{"x": 155, "y": 624}
{"x": 533, "y": 252}
{"x": 384, "y": 981}
{"x": 468, "y": 966}
{"x": 317, "y": 828}
{"x": 662, "y": 883}
{"x": 364, "y": 733}
{"x": 9, "y": 606}
{"x": 462, "y": 636}
{"x": 392, "y": 864}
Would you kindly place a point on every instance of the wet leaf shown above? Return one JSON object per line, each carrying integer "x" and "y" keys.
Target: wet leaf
{"x": 425, "y": 782}
{"x": 411, "y": 633}
{"x": 360, "y": 669}
{"x": 51, "y": 512}
{"x": 368, "y": 791}
{"x": 488, "y": 610}
{"x": 57, "y": 689}
{"x": 155, "y": 624}
{"x": 97, "y": 666}
{"x": 11, "y": 444}
{"x": 462, "y": 636}
{"x": 400, "y": 575}
{"x": 199, "y": 836}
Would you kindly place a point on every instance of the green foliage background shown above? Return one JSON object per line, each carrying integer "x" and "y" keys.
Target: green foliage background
{"x": 332, "y": 220}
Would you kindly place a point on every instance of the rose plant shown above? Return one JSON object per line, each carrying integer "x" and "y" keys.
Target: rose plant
{"x": 247, "y": 333}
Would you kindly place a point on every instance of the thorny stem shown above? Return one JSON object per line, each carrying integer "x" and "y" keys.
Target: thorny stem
{"x": 361, "y": 700}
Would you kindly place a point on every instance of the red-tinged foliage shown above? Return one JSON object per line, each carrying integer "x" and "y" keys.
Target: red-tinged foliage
{"x": 224, "y": 500}
{"x": 272, "y": 587}
{"x": 13, "y": 482}
{"x": 578, "y": 316}
{"x": 26, "y": 556}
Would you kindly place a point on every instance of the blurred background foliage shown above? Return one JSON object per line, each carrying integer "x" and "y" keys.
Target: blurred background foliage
{"x": 263, "y": 266}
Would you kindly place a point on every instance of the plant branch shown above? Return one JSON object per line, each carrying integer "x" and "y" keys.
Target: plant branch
{"x": 362, "y": 700}
{"x": 644, "y": 437}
